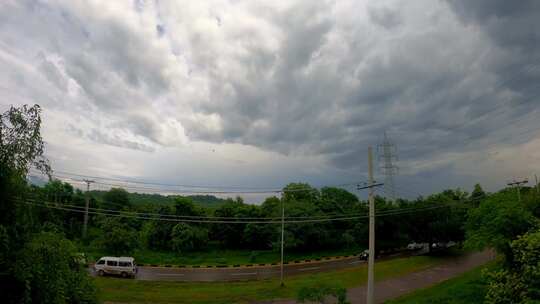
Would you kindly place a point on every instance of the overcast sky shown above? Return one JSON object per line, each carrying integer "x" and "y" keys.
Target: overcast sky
{"x": 262, "y": 93}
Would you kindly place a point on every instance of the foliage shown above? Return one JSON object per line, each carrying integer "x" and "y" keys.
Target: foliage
{"x": 498, "y": 220}
{"x": 117, "y": 238}
{"x": 519, "y": 283}
{"x": 134, "y": 291}
{"x": 469, "y": 287}
{"x": 477, "y": 195}
{"x": 188, "y": 237}
{"x": 116, "y": 199}
{"x": 21, "y": 145}
{"x": 50, "y": 273}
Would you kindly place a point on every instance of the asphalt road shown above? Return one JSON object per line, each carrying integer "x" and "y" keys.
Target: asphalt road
{"x": 239, "y": 273}
{"x": 395, "y": 287}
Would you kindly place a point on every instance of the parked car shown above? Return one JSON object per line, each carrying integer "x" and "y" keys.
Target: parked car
{"x": 123, "y": 266}
{"x": 415, "y": 246}
{"x": 451, "y": 244}
{"x": 364, "y": 255}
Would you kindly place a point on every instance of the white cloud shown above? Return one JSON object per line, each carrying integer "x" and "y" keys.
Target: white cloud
{"x": 126, "y": 87}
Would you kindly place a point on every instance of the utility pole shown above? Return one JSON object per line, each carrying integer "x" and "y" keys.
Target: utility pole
{"x": 387, "y": 153}
{"x": 518, "y": 184}
{"x": 282, "y": 237}
{"x": 371, "y": 259}
{"x": 536, "y": 181}
{"x": 87, "y": 203}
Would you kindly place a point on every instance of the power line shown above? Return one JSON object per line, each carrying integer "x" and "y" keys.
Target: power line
{"x": 221, "y": 221}
{"x": 102, "y": 210}
{"x": 260, "y": 189}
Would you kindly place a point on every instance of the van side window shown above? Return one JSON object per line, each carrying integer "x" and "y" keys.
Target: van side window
{"x": 112, "y": 263}
{"x": 124, "y": 264}
{"x": 101, "y": 262}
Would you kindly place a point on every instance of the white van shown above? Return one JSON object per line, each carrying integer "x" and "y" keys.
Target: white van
{"x": 124, "y": 266}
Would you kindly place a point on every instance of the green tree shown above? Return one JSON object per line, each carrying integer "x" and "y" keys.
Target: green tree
{"x": 51, "y": 273}
{"x": 157, "y": 234}
{"x": 21, "y": 147}
{"x": 116, "y": 199}
{"x": 520, "y": 282}
{"x": 188, "y": 238}
{"x": 498, "y": 220}
{"x": 184, "y": 206}
{"x": 477, "y": 195}
{"x": 117, "y": 237}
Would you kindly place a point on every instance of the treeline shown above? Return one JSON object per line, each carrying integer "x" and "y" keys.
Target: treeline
{"x": 437, "y": 218}
{"x": 40, "y": 227}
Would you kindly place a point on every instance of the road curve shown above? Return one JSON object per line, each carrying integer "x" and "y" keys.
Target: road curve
{"x": 239, "y": 273}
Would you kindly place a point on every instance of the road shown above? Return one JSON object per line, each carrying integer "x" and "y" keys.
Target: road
{"x": 214, "y": 274}
{"x": 395, "y": 287}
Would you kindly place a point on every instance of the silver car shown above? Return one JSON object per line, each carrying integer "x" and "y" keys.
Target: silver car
{"x": 123, "y": 266}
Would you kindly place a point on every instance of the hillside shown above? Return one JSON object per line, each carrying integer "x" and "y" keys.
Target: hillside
{"x": 207, "y": 201}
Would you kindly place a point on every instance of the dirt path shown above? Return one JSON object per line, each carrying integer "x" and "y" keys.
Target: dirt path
{"x": 395, "y": 287}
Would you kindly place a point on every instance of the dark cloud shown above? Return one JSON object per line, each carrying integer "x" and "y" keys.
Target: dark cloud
{"x": 386, "y": 17}
{"x": 312, "y": 78}
{"x": 117, "y": 141}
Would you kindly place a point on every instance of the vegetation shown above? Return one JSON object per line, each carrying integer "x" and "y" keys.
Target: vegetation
{"x": 46, "y": 269}
{"x": 322, "y": 294}
{"x": 469, "y": 287}
{"x": 132, "y": 291}
{"x": 40, "y": 228}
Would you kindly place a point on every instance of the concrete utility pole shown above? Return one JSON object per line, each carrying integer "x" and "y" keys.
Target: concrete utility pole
{"x": 518, "y": 184}
{"x": 282, "y": 237}
{"x": 87, "y": 203}
{"x": 371, "y": 259}
{"x": 387, "y": 153}
{"x": 536, "y": 181}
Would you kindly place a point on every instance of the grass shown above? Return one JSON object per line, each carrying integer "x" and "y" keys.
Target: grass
{"x": 220, "y": 257}
{"x": 466, "y": 288}
{"x": 132, "y": 291}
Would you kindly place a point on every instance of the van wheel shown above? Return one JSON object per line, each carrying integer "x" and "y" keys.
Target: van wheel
{"x": 124, "y": 274}
{"x": 100, "y": 273}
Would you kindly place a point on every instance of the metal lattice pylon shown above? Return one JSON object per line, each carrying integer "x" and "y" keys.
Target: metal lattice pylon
{"x": 387, "y": 155}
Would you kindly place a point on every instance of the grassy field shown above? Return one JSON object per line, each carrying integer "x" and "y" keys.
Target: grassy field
{"x": 467, "y": 288}
{"x": 132, "y": 291}
{"x": 221, "y": 257}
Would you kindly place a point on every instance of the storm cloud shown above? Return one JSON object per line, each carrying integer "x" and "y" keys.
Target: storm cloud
{"x": 319, "y": 80}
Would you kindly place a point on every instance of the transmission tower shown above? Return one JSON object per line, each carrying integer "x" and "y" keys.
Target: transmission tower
{"x": 387, "y": 155}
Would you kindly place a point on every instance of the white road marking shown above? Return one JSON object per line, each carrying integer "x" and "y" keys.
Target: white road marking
{"x": 170, "y": 274}
{"x": 309, "y": 268}
{"x": 356, "y": 262}
{"x": 243, "y": 273}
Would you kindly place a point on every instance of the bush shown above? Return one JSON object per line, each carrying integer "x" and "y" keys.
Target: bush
{"x": 188, "y": 238}
{"x": 117, "y": 237}
{"x": 520, "y": 281}
{"x": 48, "y": 269}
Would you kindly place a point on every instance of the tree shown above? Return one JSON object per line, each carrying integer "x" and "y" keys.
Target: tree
{"x": 116, "y": 199}
{"x": 51, "y": 273}
{"x": 157, "y": 234}
{"x": 300, "y": 192}
{"x": 498, "y": 220}
{"x": 188, "y": 238}
{"x": 184, "y": 206}
{"x": 259, "y": 236}
{"x": 477, "y": 195}
{"x": 117, "y": 237}
{"x": 519, "y": 283}
{"x": 21, "y": 147}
